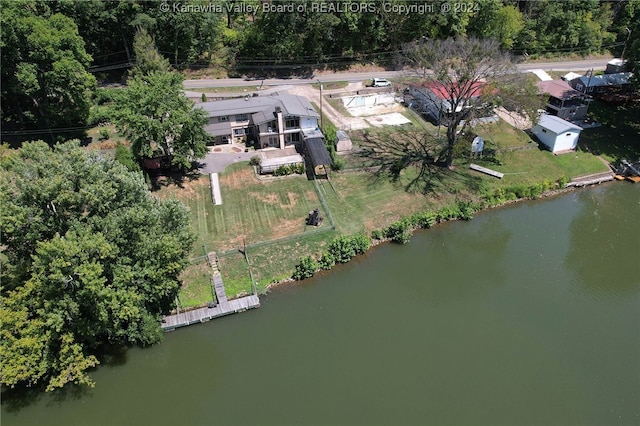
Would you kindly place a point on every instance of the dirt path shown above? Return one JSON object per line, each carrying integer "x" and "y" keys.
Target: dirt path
{"x": 337, "y": 118}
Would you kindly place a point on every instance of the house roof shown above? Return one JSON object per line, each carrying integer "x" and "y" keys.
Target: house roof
{"x": 318, "y": 154}
{"x": 261, "y": 107}
{"x": 616, "y": 79}
{"x": 218, "y": 129}
{"x": 444, "y": 92}
{"x": 556, "y": 124}
{"x": 558, "y": 89}
{"x": 570, "y": 76}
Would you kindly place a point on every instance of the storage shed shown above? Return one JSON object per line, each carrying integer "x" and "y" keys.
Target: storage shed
{"x": 317, "y": 155}
{"x": 343, "y": 141}
{"x": 557, "y": 134}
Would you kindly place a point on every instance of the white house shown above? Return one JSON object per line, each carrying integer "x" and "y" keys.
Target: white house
{"x": 557, "y": 134}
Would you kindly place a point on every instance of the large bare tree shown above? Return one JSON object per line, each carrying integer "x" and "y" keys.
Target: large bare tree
{"x": 462, "y": 78}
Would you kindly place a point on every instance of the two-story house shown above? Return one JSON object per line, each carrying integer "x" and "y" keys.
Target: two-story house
{"x": 563, "y": 101}
{"x": 262, "y": 121}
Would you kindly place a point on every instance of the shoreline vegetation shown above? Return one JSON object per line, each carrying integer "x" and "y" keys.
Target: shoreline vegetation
{"x": 342, "y": 248}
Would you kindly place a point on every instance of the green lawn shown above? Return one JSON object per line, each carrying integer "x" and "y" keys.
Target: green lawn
{"x": 255, "y": 211}
{"x": 196, "y": 289}
{"x": 251, "y": 210}
{"x": 235, "y": 274}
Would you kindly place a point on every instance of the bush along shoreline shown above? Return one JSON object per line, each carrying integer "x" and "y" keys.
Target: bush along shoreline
{"x": 343, "y": 248}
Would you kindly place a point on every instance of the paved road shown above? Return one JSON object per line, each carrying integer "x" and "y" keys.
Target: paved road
{"x": 598, "y": 64}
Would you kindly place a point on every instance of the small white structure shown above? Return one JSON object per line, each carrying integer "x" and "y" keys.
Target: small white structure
{"x": 343, "y": 141}
{"x": 557, "y": 134}
{"x": 477, "y": 145}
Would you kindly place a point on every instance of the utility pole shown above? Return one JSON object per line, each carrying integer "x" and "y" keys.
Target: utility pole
{"x": 320, "y": 83}
{"x": 624, "y": 49}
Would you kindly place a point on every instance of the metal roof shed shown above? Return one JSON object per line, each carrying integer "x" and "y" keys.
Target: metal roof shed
{"x": 317, "y": 154}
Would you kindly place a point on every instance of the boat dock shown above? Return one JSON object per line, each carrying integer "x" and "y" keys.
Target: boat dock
{"x": 220, "y": 308}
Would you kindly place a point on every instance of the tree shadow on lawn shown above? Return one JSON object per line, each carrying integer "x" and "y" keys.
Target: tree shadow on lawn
{"x": 619, "y": 136}
{"x": 414, "y": 160}
{"x": 163, "y": 178}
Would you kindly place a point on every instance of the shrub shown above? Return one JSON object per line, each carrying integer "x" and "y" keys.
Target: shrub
{"x": 343, "y": 248}
{"x": 255, "y": 161}
{"x": 376, "y": 234}
{"x": 289, "y": 169}
{"x": 204, "y": 97}
{"x": 399, "y": 232}
{"x": 360, "y": 243}
{"x": 104, "y": 134}
{"x": 305, "y": 269}
{"x": 423, "y": 220}
{"x": 466, "y": 210}
{"x": 125, "y": 157}
{"x": 563, "y": 181}
{"x": 326, "y": 262}
{"x": 337, "y": 163}
{"x": 448, "y": 212}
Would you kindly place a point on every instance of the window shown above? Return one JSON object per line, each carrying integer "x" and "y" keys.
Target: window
{"x": 568, "y": 134}
{"x": 293, "y": 137}
{"x": 223, "y": 118}
{"x": 292, "y": 122}
{"x": 238, "y": 132}
{"x": 273, "y": 141}
{"x": 242, "y": 117}
{"x": 248, "y": 131}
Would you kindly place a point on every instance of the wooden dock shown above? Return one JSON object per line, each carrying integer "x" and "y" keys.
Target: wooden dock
{"x": 201, "y": 315}
{"x": 221, "y": 307}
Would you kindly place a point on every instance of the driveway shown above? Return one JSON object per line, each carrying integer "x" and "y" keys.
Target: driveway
{"x": 216, "y": 162}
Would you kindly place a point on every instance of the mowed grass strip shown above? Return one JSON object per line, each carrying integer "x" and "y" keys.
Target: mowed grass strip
{"x": 252, "y": 210}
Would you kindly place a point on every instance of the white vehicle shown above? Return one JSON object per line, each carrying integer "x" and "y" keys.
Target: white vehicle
{"x": 380, "y": 82}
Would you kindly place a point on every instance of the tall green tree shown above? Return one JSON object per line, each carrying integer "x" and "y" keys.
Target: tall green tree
{"x": 147, "y": 57}
{"x": 466, "y": 76}
{"x": 45, "y": 83}
{"x": 159, "y": 120}
{"x": 90, "y": 259}
{"x": 497, "y": 20}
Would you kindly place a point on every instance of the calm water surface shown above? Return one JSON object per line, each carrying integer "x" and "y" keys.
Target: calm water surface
{"x": 528, "y": 314}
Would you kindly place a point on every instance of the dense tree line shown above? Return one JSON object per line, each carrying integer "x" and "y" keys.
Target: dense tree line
{"x": 89, "y": 260}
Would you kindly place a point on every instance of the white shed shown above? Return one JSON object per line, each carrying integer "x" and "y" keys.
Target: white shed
{"x": 557, "y": 134}
{"x": 343, "y": 141}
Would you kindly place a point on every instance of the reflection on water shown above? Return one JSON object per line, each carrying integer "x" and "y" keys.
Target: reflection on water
{"x": 606, "y": 228}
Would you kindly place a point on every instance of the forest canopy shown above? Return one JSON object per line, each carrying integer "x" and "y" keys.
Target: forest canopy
{"x": 90, "y": 260}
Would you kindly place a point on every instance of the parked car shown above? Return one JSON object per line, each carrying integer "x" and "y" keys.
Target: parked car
{"x": 380, "y": 82}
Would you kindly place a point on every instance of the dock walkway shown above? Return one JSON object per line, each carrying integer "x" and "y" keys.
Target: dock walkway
{"x": 223, "y": 307}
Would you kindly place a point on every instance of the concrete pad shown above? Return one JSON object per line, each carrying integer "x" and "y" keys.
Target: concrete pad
{"x": 542, "y": 75}
{"x": 393, "y": 119}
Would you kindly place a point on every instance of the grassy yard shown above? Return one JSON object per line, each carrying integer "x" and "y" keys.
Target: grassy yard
{"x": 252, "y": 210}
{"x": 196, "y": 289}
{"x": 255, "y": 210}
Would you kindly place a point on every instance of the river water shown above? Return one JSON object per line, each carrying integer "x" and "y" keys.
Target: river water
{"x": 528, "y": 314}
